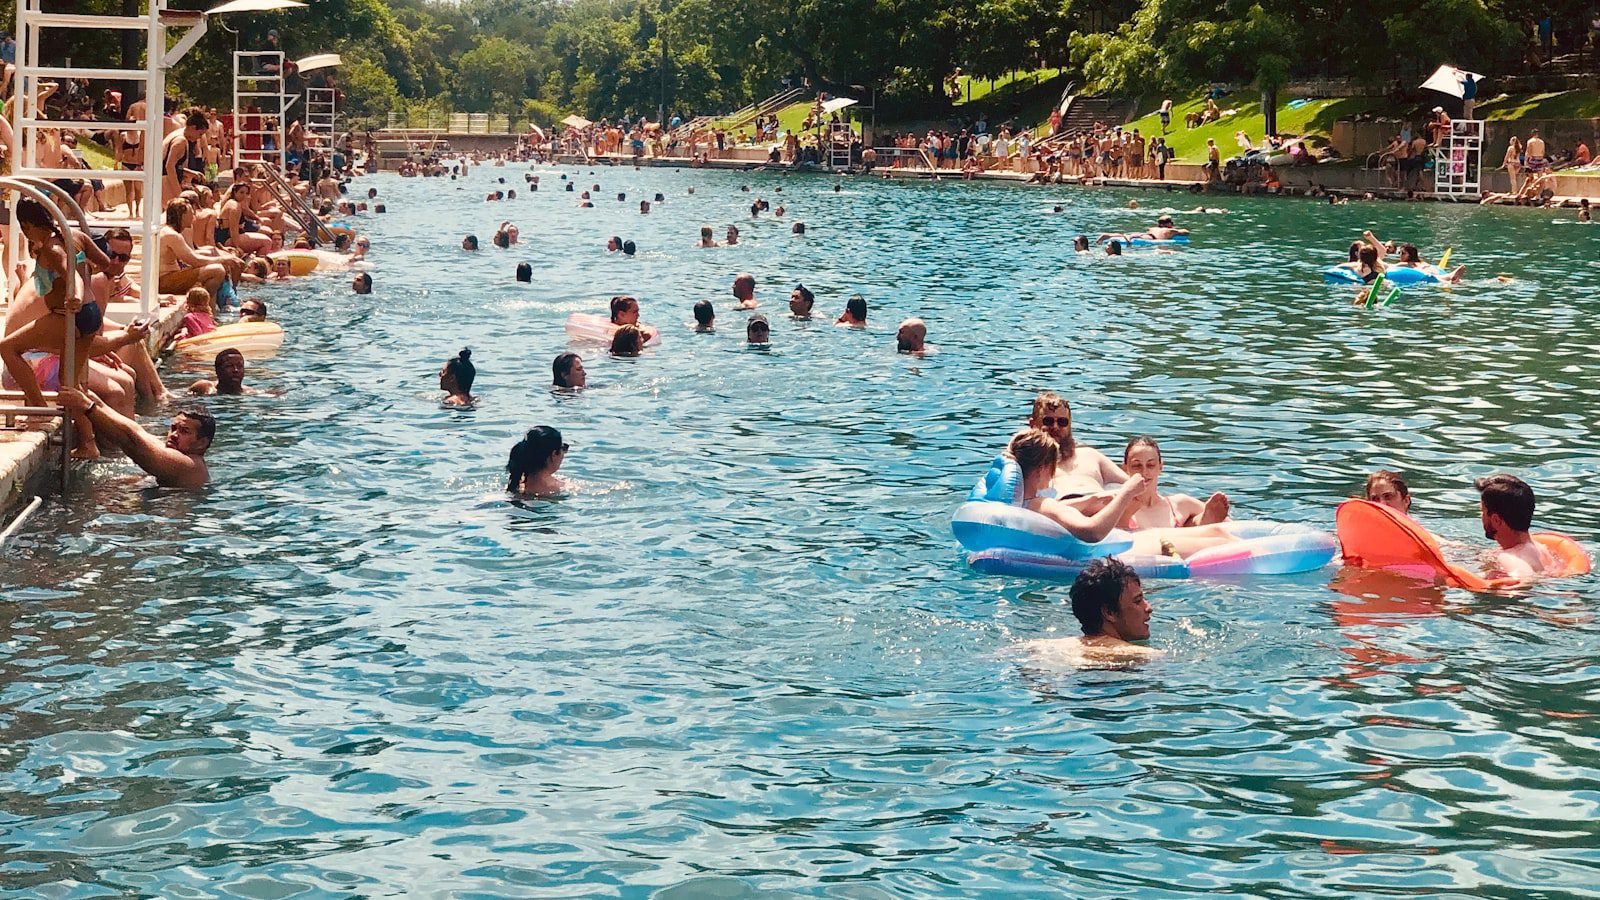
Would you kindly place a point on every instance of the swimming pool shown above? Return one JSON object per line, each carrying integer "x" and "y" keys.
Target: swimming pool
{"x": 746, "y": 655}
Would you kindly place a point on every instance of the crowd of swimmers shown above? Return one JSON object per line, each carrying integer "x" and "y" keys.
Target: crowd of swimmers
{"x": 1089, "y": 495}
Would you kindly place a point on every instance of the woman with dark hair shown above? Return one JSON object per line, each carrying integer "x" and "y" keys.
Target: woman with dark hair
{"x": 855, "y": 312}
{"x": 568, "y": 371}
{"x": 525, "y": 272}
{"x": 456, "y": 378}
{"x": 534, "y": 461}
{"x": 628, "y": 340}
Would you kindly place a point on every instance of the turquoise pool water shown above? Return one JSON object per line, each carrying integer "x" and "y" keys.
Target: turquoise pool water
{"x": 745, "y": 655}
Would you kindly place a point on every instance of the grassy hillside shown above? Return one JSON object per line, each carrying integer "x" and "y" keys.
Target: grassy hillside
{"x": 1315, "y": 118}
{"x": 1559, "y": 105}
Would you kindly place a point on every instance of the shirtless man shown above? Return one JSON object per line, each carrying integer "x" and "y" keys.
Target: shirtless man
{"x": 1505, "y": 505}
{"x": 179, "y": 462}
{"x": 1109, "y": 603}
{"x": 182, "y": 266}
{"x": 744, "y": 290}
{"x": 112, "y": 285}
{"x": 229, "y": 366}
{"x": 1082, "y": 472}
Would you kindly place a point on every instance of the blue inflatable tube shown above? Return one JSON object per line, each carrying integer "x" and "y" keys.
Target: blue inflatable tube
{"x": 1007, "y": 539}
{"x": 1151, "y": 242}
{"x": 1400, "y": 275}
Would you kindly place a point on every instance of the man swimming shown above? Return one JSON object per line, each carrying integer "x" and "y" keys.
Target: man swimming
{"x": 801, "y": 300}
{"x": 229, "y": 366}
{"x": 1505, "y": 505}
{"x": 179, "y": 462}
{"x": 912, "y": 337}
{"x": 744, "y": 290}
{"x": 1109, "y": 603}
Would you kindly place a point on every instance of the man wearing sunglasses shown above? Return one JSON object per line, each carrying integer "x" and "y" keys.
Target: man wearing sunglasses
{"x": 1082, "y": 473}
{"x": 112, "y": 285}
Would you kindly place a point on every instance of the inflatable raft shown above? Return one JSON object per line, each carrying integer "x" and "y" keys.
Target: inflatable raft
{"x": 1374, "y": 536}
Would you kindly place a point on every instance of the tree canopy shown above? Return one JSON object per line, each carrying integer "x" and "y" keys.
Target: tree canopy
{"x": 626, "y": 57}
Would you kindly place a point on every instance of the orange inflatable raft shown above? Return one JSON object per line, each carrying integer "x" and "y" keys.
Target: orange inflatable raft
{"x": 1375, "y": 536}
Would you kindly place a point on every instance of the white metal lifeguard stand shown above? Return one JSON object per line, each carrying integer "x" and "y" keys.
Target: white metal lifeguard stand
{"x": 1458, "y": 161}
{"x": 260, "y": 105}
{"x": 322, "y": 103}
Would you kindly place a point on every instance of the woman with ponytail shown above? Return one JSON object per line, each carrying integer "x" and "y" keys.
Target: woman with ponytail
{"x": 456, "y": 377}
{"x": 534, "y": 461}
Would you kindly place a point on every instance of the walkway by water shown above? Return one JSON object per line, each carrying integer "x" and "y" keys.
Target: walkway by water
{"x": 747, "y": 654}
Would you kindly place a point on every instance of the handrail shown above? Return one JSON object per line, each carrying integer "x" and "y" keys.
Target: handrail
{"x": 16, "y": 524}
{"x": 300, "y": 208}
{"x": 68, "y": 367}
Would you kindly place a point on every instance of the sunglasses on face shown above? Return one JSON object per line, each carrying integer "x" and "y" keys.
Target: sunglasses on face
{"x": 249, "y": 311}
{"x": 124, "y": 257}
{"x": 1049, "y": 421}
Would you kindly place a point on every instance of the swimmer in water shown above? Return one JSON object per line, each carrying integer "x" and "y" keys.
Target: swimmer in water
{"x": 744, "y": 291}
{"x": 758, "y": 332}
{"x": 801, "y": 300}
{"x": 1080, "y": 244}
{"x": 628, "y": 341}
{"x": 568, "y": 372}
{"x": 1411, "y": 259}
{"x": 1114, "y": 248}
{"x": 525, "y": 272}
{"x": 1505, "y": 505}
{"x": 229, "y": 366}
{"x": 912, "y": 337}
{"x": 1387, "y": 488}
{"x": 624, "y": 310}
{"x": 455, "y": 379}
{"x": 1109, "y": 603}
{"x": 362, "y": 283}
{"x": 705, "y": 317}
{"x": 732, "y": 237}
{"x": 534, "y": 462}
{"x": 1153, "y": 510}
{"x": 707, "y": 238}
{"x": 855, "y": 312}
{"x": 178, "y": 462}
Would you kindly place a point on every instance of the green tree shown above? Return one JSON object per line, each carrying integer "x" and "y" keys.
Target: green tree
{"x": 493, "y": 75}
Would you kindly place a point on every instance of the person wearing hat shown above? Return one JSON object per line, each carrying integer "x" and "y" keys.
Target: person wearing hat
{"x": 1439, "y": 126}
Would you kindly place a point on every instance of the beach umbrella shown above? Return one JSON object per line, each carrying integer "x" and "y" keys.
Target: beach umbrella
{"x": 576, "y": 122}
{"x": 242, "y": 6}
{"x": 1448, "y": 80}
{"x": 837, "y": 104}
{"x": 319, "y": 61}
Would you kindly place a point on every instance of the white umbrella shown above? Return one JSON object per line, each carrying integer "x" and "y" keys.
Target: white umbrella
{"x": 837, "y": 104}
{"x": 576, "y": 122}
{"x": 239, "y": 6}
{"x": 319, "y": 61}
{"x": 1448, "y": 80}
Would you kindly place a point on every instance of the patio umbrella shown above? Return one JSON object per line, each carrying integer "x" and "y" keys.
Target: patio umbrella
{"x": 1448, "y": 80}
{"x": 320, "y": 61}
{"x": 576, "y": 122}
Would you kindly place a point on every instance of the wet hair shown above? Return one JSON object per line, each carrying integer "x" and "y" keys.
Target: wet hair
{"x": 380, "y": 208}
{"x": 705, "y": 231}
{"x": 704, "y": 313}
{"x": 629, "y": 248}
{"x": 205, "y": 423}
{"x": 195, "y": 117}
{"x": 230, "y": 352}
{"x": 32, "y": 212}
{"x": 806, "y": 295}
{"x": 1114, "y": 248}
{"x": 502, "y": 240}
{"x": 471, "y": 240}
{"x": 1408, "y": 253}
{"x": 460, "y": 368}
{"x": 525, "y": 272}
{"x": 261, "y": 304}
{"x": 1368, "y": 255}
{"x": 856, "y": 306}
{"x": 1508, "y": 497}
{"x": 531, "y": 454}
{"x": 365, "y": 278}
{"x": 1143, "y": 440}
{"x": 621, "y": 303}
{"x": 798, "y": 228}
{"x": 1081, "y": 242}
{"x": 614, "y": 243}
{"x": 1033, "y": 449}
{"x": 660, "y": 196}
{"x": 561, "y": 368}
{"x": 627, "y": 341}
{"x": 1384, "y": 477}
{"x": 1098, "y": 590}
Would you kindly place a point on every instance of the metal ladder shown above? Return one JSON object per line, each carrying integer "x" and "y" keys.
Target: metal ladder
{"x": 298, "y": 207}
{"x": 260, "y": 107}
{"x": 322, "y": 111}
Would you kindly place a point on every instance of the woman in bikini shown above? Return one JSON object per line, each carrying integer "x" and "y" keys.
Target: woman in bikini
{"x": 1152, "y": 509}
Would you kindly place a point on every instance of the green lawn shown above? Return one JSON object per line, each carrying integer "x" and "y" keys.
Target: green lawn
{"x": 790, "y": 117}
{"x": 1314, "y": 119}
{"x": 976, "y": 89}
{"x": 1559, "y": 105}
{"x": 97, "y": 156}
